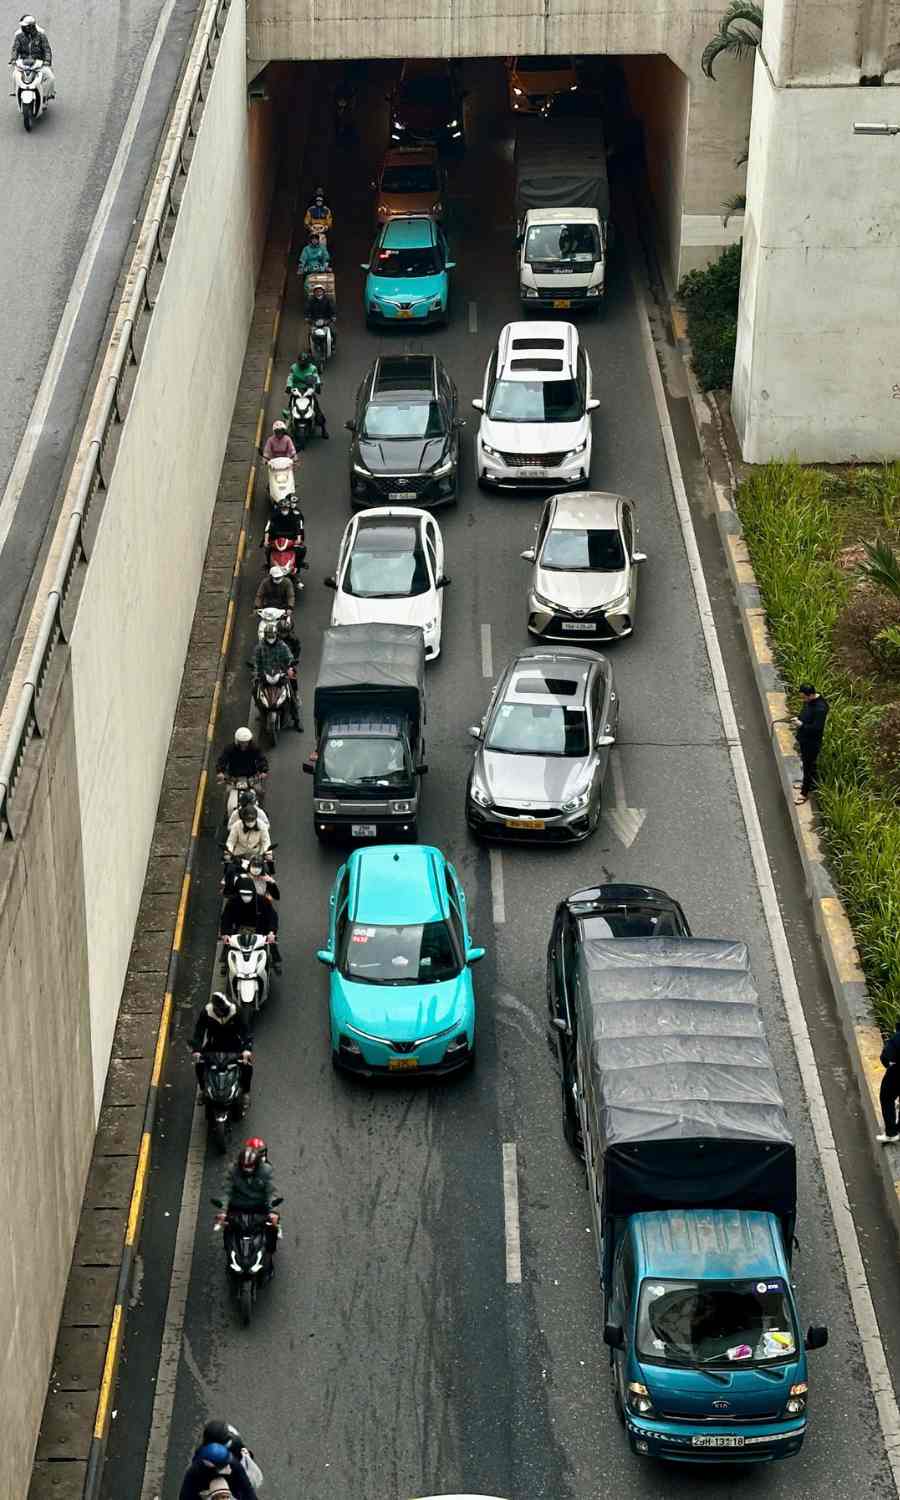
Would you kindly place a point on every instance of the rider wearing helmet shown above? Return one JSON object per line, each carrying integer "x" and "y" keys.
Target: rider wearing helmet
{"x": 211, "y": 1463}
{"x": 318, "y": 216}
{"x": 304, "y": 375}
{"x": 245, "y": 799}
{"x": 219, "y": 1028}
{"x": 243, "y": 759}
{"x": 314, "y": 256}
{"x": 274, "y": 655}
{"x": 279, "y": 443}
{"x": 246, "y": 908}
{"x": 250, "y": 1187}
{"x": 276, "y": 590}
{"x": 230, "y": 1438}
{"x": 31, "y": 42}
{"x": 247, "y": 837}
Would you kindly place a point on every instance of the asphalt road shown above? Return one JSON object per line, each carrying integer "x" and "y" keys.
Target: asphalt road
{"x": 390, "y": 1357}
{"x": 54, "y": 180}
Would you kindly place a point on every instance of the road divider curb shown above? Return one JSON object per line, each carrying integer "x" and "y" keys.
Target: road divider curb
{"x": 861, "y": 1033}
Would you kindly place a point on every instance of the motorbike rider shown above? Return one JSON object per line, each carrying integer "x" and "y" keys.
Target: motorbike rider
{"x": 279, "y": 443}
{"x": 30, "y": 41}
{"x": 248, "y": 909}
{"x": 219, "y": 1028}
{"x": 242, "y": 760}
{"x": 212, "y": 1463}
{"x": 250, "y": 1188}
{"x": 245, "y": 799}
{"x": 314, "y": 256}
{"x": 273, "y": 655}
{"x": 304, "y": 376}
{"x": 320, "y": 305}
{"x": 247, "y": 837}
{"x": 230, "y": 1438}
{"x": 318, "y": 216}
{"x": 276, "y": 591}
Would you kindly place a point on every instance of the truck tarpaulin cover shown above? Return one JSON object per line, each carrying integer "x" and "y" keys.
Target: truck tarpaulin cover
{"x": 560, "y": 165}
{"x": 382, "y": 665}
{"x": 689, "y": 1108}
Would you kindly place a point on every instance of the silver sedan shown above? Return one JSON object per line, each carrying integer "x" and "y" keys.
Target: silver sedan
{"x": 584, "y": 580}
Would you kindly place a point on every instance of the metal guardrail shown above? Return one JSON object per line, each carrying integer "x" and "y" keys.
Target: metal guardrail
{"x": 52, "y": 631}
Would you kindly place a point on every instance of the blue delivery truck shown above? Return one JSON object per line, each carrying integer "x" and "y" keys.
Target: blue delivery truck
{"x": 670, "y": 1092}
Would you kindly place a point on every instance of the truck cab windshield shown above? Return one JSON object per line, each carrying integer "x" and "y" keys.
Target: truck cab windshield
{"x": 556, "y": 244}
{"x": 716, "y": 1323}
{"x": 363, "y": 760}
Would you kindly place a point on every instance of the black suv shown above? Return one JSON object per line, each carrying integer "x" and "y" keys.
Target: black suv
{"x": 405, "y": 446}
{"x": 427, "y": 106}
{"x": 601, "y": 911}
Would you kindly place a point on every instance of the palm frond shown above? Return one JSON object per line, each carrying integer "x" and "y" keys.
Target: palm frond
{"x": 883, "y": 567}
{"x": 731, "y": 43}
{"x": 735, "y": 205}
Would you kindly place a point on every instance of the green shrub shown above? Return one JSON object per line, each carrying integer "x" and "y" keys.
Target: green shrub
{"x": 710, "y": 298}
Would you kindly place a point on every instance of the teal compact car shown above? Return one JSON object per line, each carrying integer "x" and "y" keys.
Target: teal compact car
{"x": 408, "y": 274}
{"x": 400, "y": 956}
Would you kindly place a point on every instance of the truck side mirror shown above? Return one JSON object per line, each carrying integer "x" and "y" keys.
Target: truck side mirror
{"x": 309, "y": 765}
{"x": 613, "y": 1336}
{"x": 330, "y": 583}
{"x": 326, "y": 957}
{"x": 443, "y": 581}
{"x": 638, "y": 557}
{"x": 475, "y": 731}
{"x": 605, "y": 739}
{"x": 816, "y": 1336}
{"x": 593, "y": 404}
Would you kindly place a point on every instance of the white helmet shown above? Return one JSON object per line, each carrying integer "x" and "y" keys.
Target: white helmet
{"x": 276, "y": 573}
{"x": 243, "y": 736}
{"x": 27, "y": 23}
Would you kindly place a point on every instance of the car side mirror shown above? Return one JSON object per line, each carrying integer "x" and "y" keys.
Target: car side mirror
{"x": 330, "y": 583}
{"x": 528, "y": 554}
{"x": 422, "y": 770}
{"x": 559, "y": 1024}
{"x": 309, "y": 765}
{"x": 350, "y": 425}
{"x": 326, "y": 957}
{"x": 475, "y": 731}
{"x": 816, "y": 1336}
{"x": 638, "y": 557}
{"x": 606, "y": 739}
{"x": 443, "y": 582}
{"x": 478, "y": 404}
{"x": 276, "y": 1201}
{"x": 474, "y": 954}
{"x": 364, "y": 265}
{"x": 613, "y": 1336}
{"x": 460, "y": 422}
{"x": 593, "y": 404}
{"x": 449, "y": 265}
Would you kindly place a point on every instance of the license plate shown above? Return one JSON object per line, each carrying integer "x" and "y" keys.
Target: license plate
{"x": 562, "y": 302}
{"x": 576, "y": 625}
{"x": 721, "y": 1440}
{"x": 402, "y": 1064}
{"x": 404, "y": 312}
{"x": 532, "y": 472}
{"x": 401, "y": 494}
{"x": 363, "y": 830}
{"x": 524, "y": 822}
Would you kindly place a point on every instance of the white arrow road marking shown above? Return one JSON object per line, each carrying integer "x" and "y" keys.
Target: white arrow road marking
{"x": 625, "y": 821}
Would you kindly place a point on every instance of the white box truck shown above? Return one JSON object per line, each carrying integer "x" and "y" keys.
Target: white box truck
{"x": 562, "y": 213}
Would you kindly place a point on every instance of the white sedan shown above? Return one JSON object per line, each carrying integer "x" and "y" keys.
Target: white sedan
{"x": 391, "y": 572}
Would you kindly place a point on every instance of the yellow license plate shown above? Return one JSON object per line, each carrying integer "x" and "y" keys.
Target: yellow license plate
{"x": 562, "y": 302}
{"x": 402, "y": 1064}
{"x": 524, "y": 822}
{"x": 404, "y": 312}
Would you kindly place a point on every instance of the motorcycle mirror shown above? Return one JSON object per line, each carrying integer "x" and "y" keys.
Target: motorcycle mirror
{"x": 422, "y": 770}
{"x": 217, "y": 1203}
{"x": 275, "y": 1203}
{"x": 309, "y": 765}
{"x": 350, "y": 425}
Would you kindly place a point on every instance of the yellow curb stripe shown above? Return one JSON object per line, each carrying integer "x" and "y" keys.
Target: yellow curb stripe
{"x": 137, "y": 1196}
{"x": 843, "y": 943}
{"x": 251, "y": 486}
{"x": 109, "y": 1370}
{"x": 213, "y": 714}
{"x": 869, "y": 1043}
{"x": 198, "y": 804}
{"x": 276, "y": 322}
{"x": 182, "y": 908}
{"x": 162, "y": 1040}
{"x": 241, "y": 547}
{"x": 756, "y": 620}
{"x": 267, "y": 383}
{"x": 259, "y": 426}
{"x": 679, "y": 322}
{"x": 226, "y": 633}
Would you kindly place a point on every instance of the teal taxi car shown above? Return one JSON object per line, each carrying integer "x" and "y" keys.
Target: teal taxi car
{"x": 400, "y": 955}
{"x": 407, "y": 275}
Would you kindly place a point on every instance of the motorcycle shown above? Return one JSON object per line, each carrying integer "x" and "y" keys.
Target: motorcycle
{"x": 272, "y": 694}
{"x": 29, "y": 87}
{"x": 248, "y": 971}
{"x": 281, "y": 480}
{"x": 222, "y": 1096}
{"x": 321, "y": 340}
{"x": 301, "y": 416}
{"x": 283, "y": 621}
{"x": 248, "y": 1261}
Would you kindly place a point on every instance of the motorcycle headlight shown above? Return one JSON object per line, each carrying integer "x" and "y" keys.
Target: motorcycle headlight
{"x": 479, "y": 795}
{"x": 452, "y": 124}
{"x": 324, "y": 806}
{"x": 574, "y": 803}
{"x": 796, "y": 1402}
{"x": 638, "y": 1399}
{"x": 402, "y": 807}
{"x": 517, "y": 92}
{"x": 382, "y": 210}
{"x": 399, "y": 125}
{"x": 443, "y": 469}
{"x": 490, "y": 452}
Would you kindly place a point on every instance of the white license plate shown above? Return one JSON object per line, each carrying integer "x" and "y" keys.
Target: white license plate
{"x": 363, "y": 830}
{"x": 575, "y": 625}
{"x": 531, "y": 472}
{"x": 721, "y": 1440}
{"x": 401, "y": 494}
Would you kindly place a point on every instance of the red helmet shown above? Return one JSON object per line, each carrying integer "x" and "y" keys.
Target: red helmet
{"x": 253, "y": 1152}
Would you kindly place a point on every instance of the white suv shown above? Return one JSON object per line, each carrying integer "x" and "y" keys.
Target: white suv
{"x": 536, "y": 425}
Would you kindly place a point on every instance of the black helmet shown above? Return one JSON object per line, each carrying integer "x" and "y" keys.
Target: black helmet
{"x": 222, "y": 1432}
{"x": 245, "y": 887}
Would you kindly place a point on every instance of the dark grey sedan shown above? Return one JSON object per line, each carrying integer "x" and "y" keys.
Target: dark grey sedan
{"x": 543, "y": 748}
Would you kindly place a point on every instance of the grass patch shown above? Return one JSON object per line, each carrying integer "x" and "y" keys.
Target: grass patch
{"x": 710, "y": 298}
{"x": 804, "y": 530}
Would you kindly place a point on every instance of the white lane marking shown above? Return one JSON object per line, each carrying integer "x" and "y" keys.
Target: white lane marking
{"x": 511, "y": 1214}
{"x": 626, "y": 822}
{"x": 170, "y": 1351}
{"x": 497, "y": 899}
{"x": 845, "y": 1229}
{"x": 487, "y": 652}
{"x": 473, "y": 317}
{"x": 47, "y": 389}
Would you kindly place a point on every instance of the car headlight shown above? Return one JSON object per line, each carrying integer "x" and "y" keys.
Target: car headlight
{"x": 638, "y": 1399}
{"x": 452, "y": 124}
{"x": 796, "y": 1402}
{"x": 528, "y": 291}
{"x": 615, "y": 605}
{"x": 398, "y": 125}
{"x": 347, "y": 1044}
{"x": 402, "y": 807}
{"x": 445, "y": 468}
{"x": 382, "y": 210}
{"x": 479, "y": 795}
{"x": 574, "y": 803}
{"x": 324, "y": 806}
{"x": 490, "y": 452}
{"x": 437, "y": 208}
{"x": 594, "y": 291}
{"x": 543, "y": 601}
{"x": 360, "y": 469}
{"x": 517, "y": 92}
{"x": 437, "y": 304}
{"x": 459, "y": 1043}
{"x": 574, "y": 452}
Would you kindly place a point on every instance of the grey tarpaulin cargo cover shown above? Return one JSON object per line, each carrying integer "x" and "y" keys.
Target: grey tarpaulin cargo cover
{"x": 686, "y": 1100}
{"x": 560, "y": 164}
{"x": 375, "y": 666}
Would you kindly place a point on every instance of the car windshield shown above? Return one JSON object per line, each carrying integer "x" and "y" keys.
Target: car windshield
{"x": 403, "y": 419}
{"x": 715, "y": 1322}
{"x": 416, "y": 953}
{"x": 562, "y": 242}
{"x": 364, "y": 760}
{"x": 535, "y": 401}
{"x": 568, "y": 551}
{"x": 387, "y": 562}
{"x": 630, "y": 923}
{"x": 410, "y": 179}
{"x": 431, "y": 88}
{"x": 538, "y": 729}
{"x": 418, "y": 260}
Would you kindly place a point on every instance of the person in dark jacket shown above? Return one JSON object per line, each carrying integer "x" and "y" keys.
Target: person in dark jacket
{"x": 889, "y": 1092}
{"x": 810, "y": 727}
{"x": 247, "y": 908}
{"x": 211, "y": 1462}
{"x": 250, "y": 1187}
{"x": 220, "y": 1028}
{"x": 243, "y": 758}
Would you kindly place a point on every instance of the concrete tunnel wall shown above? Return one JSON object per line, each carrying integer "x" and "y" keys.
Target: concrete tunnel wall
{"x": 70, "y": 882}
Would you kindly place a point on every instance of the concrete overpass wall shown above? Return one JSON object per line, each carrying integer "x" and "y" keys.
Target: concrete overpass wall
{"x": 84, "y": 804}
{"x": 716, "y": 116}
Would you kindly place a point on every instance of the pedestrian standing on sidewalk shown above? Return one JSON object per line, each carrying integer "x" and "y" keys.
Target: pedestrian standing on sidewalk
{"x": 889, "y": 1092}
{"x": 810, "y": 727}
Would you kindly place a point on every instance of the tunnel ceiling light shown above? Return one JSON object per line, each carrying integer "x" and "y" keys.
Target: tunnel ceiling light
{"x": 863, "y": 127}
